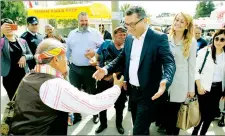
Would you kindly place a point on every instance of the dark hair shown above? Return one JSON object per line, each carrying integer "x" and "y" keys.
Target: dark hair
{"x": 6, "y": 20}
{"x": 101, "y": 25}
{"x": 218, "y": 32}
{"x": 138, "y": 10}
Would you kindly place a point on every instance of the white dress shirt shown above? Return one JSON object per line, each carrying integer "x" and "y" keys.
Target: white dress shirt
{"x": 135, "y": 59}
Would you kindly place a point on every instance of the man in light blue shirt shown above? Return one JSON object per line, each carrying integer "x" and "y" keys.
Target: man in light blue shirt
{"x": 81, "y": 45}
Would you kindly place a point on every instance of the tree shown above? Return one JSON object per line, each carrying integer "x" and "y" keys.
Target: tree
{"x": 204, "y": 9}
{"x": 71, "y": 23}
{"x": 14, "y": 10}
{"x": 124, "y": 7}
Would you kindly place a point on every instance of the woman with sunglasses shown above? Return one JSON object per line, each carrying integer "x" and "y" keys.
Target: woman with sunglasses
{"x": 211, "y": 81}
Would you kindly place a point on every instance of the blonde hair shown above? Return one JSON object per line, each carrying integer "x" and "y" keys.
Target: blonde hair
{"x": 188, "y": 33}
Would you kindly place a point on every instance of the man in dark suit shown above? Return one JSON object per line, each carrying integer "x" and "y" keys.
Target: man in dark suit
{"x": 149, "y": 68}
{"x": 105, "y": 33}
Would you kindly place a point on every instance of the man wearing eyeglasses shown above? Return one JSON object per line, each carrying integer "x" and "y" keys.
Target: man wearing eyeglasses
{"x": 149, "y": 68}
{"x": 32, "y": 37}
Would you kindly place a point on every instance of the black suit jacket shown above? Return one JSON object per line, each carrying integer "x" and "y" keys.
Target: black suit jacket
{"x": 156, "y": 63}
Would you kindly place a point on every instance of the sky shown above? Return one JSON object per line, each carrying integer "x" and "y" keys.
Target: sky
{"x": 156, "y": 7}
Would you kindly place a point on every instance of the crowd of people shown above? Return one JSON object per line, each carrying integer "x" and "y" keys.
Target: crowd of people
{"x": 157, "y": 71}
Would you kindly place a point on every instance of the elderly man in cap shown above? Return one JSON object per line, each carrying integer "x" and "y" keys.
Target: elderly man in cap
{"x": 44, "y": 98}
{"x": 107, "y": 52}
{"x": 32, "y": 37}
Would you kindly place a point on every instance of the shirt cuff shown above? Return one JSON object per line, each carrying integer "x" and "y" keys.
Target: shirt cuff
{"x": 106, "y": 71}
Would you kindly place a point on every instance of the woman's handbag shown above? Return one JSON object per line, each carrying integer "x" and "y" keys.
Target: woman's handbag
{"x": 189, "y": 114}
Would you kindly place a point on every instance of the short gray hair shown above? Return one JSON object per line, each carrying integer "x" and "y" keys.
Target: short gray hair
{"x": 47, "y": 45}
{"x": 82, "y": 14}
{"x": 138, "y": 10}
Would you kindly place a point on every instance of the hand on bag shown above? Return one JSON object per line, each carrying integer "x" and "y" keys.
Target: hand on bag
{"x": 201, "y": 91}
{"x": 118, "y": 82}
{"x": 90, "y": 53}
{"x": 22, "y": 62}
{"x": 125, "y": 85}
{"x": 190, "y": 94}
{"x": 161, "y": 90}
{"x": 99, "y": 74}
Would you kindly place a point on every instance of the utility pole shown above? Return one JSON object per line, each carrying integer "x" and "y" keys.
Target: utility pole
{"x": 115, "y": 12}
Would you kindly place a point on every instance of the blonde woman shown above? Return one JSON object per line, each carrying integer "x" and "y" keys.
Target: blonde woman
{"x": 183, "y": 48}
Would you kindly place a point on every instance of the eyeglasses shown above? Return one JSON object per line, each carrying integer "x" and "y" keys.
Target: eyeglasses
{"x": 133, "y": 24}
{"x": 219, "y": 39}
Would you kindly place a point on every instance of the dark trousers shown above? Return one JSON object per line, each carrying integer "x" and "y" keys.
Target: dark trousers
{"x": 81, "y": 77}
{"x": 119, "y": 105}
{"x": 140, "y": 112}
{"x": 208, "y": 104}
{"x": 172, "y": 111}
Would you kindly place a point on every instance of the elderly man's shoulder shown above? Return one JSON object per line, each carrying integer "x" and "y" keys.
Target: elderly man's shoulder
{"x": 94, "y": 30}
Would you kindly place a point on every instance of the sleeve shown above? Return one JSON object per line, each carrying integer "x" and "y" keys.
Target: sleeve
{"x": 68, "y": 49}
{"x": 192, "y": 66}
{"x": 28, "y": 55}
{"x": 99, "y": 51}
{"x": 99, "y": 39}
{"x": 61, "y": 95}
{"x": 167, "y": 58}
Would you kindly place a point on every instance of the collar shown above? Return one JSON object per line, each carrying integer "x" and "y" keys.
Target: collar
{"x": 32, "y": 32}
{"x": 45, "y": 68}
{"x": 171, "y": 39}
{"x": 88, "y": 30}
{"x": 143, "y": 35}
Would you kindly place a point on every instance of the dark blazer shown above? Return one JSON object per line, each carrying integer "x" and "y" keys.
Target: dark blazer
{"x": 5, "y": 55}
{"x": 107, "y": 35}
{"x": 156, "y": 63}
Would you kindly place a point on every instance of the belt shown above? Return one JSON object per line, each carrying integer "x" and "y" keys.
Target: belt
{"x": 135, "y": 87}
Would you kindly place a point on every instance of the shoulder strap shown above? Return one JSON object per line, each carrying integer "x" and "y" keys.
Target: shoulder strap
{"x": 203, "y": 64}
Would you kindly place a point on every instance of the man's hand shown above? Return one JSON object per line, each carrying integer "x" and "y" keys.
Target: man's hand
{"x": 90, "y": 53}
{"x": 161, "y": 90}
{"x": 118, "y": 82}
{"x": 190, "y": 94}
{"x": 99, "y": 74}
{"x": 22, "y": 62}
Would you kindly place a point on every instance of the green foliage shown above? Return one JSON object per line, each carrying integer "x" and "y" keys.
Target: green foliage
{"x": 124, "y": 7}
{"x": 14, "y": 10}
{"x": 204, "y": 9}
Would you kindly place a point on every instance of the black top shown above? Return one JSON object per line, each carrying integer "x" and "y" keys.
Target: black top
{"x": 15, "y": 55}
{"x": 107, "y": 35}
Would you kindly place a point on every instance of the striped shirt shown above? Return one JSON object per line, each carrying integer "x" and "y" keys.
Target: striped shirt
{"x": 59, "y": 94}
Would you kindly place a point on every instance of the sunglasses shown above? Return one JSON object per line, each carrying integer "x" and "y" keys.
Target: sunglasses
{"x": 219, "y": 39}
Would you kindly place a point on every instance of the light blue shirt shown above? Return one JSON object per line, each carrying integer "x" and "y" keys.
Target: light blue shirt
{"x": 79, "y": 42}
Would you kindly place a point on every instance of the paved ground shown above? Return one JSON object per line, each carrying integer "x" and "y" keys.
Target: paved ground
{"x": 87, "y": 127}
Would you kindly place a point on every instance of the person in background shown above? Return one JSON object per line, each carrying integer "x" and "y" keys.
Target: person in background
{"x": 211, "y": 82}
{"x": 149, "y": 68}
{"x": 44, "y": 97}
{"x": 183, "y": 48}
{"x": 167, "y": 30}
{"x": 51, "y": 33}
{"x": 14, "y": 55}
{"x": 201, "y": 43}
{"x": 81, "y": 44}
{"x": 32, "y": 37}
{"x": 107, "y": 52}
{"x": 106, "y": 35}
